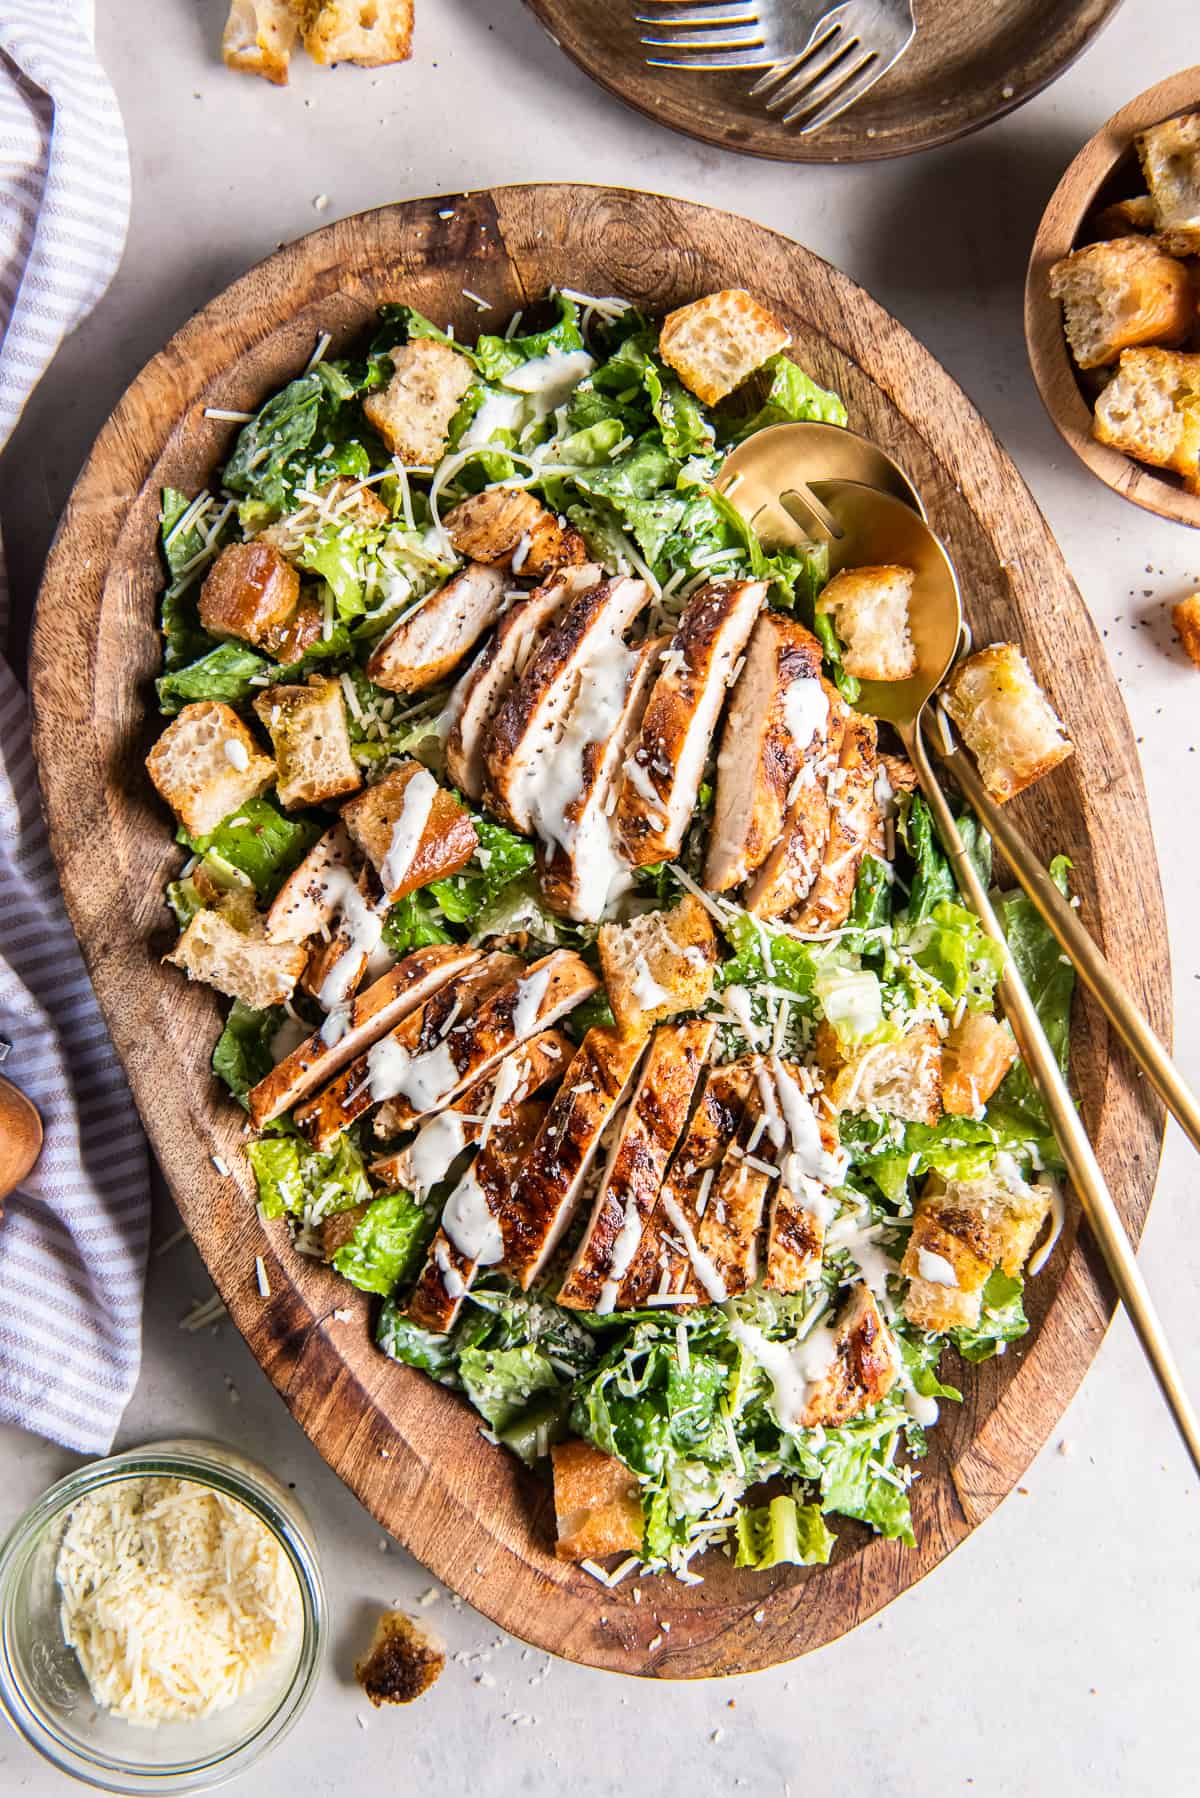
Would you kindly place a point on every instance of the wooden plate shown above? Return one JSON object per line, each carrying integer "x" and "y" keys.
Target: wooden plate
{"x": 967, "y": 65}
{"x": 410, "y": 1450}
{"x": 1105, "y": 170}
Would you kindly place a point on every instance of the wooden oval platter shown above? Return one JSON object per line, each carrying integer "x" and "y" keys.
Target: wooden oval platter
{"x": 967, "y": 65}
{"x": 1105, "y": 170}
{"x": 410, "y": 1450}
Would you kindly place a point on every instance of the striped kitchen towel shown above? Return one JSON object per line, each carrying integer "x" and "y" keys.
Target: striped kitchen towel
{"x": 73, "y": 1240}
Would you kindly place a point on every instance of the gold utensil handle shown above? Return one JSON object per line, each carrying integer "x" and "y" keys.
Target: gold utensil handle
{"x": 1082, "y": 1166}
{"x": 1113, "y": 997}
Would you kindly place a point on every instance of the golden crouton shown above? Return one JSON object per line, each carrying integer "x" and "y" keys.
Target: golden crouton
{"x": 903, "y": 1079}
{"x": 312, "y": 743}
{"x": 224, "y": 888}
{"x": 427, "y": 829}
{"x": 1151, "y": 410}
{"x": 861, "y": 1369}
{"x": 1006, "y": 720}
{"x": 206, "y": 764}
{"x": 961, "y": 1231}
{"x": 1170, "y": 157}
{"x": 1118, "y": 295}
{"x": 716, "y": 343}
{"x": 658, "y": 964}
{"x": 1124, "y": 218}
{"x": 259, "y": 37}
{"x": 1186, "y": 619}
{"x": 239, "y": 965}
{"x": 413, "y": 412}
{"x": 976, "y": 1055}
{"x": 249, "y": 592}
{"x": 306, "y": 626}
{"x": 367, "y": 32}
{"x": 597, "y": 1503}
{"x": 869, "y": 608}
{"x": 508, "y": 525}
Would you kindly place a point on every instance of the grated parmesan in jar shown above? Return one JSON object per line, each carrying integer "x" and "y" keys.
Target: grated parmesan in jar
{"x": 175, "y": 1598}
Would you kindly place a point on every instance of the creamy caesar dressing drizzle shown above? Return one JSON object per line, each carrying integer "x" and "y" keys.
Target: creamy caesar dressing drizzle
{"x": 507, "y": 1085}
{"x": 335, "y": 1026}
{"x": 426, "y": 1080}
{"x": 469, "y": 1223}
{"x": 531, "y": 991}
{"x": 498, "y": 412}
{"x": 737, "y": 1003}
{"x": 549, "y": 380}
{"x": 432, "y": 1152}
{"x": 936, "y": 1268}
{"x": 805, "y": 711}
{"x": 795, "y": 1370}
{"x": 357, "y": 920}
{"x": 453, "y": 1282}
{"x": 861, "y": 1242}
{"x": 705, "y": 1270}
{"x": 625, "y": 1247}
{"x": 807, "y": 1169}
{"x": 645, "y": 988}
{"x": 408, "y": 829}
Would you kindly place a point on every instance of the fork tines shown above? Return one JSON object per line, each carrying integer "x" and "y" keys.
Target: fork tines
{"x": 703, "y": 34}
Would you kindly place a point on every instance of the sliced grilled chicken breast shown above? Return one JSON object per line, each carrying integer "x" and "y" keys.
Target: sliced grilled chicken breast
{"x": 470, "y": 1235}
{"x": 428, "y": 1158}
{"x": 410, "y": 829}
{"x": 508, "y": 526}
{"x": 650, "y": 1130}
{"x": 496, "y": 670}
{"x": 307, "y": 901}
{"x": 853, "y": 820}
{"x": 332, "y": 902}
{"x": 663, "y": 1261}
{"x": 579, "y": 863}
{"x": 427, "y": 645}
{"x": 777, "y": 715}
{"x": 727, "y": 1234}
{"x": 543, "y": 1200}
{"x": 787, "y": 875}
{"x": 803, "y": 1140}
{"x": 521, "y": 744}
{"x": 662, "y": 776}
{"x": 861, "y": 1361}
{"x": 349, "y": 1095}
{"x": 343, "y": 1036}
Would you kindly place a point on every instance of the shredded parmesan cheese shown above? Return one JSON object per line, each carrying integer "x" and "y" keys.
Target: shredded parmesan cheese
{"x": 174, "y": 1597}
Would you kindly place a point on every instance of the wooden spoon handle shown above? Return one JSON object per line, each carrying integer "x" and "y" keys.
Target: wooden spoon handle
{"x": 20, "y": 1136}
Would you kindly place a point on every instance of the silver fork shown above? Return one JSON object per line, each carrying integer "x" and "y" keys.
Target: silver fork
{"x": 819, "y": 59}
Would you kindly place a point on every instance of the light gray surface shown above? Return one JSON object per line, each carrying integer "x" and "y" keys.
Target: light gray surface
{"x": 1057, "y": 1650}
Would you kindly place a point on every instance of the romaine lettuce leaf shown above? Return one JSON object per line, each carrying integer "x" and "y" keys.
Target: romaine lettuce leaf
{"x": 784, "y": 1530}
{"x": 495, "y": 357}
{"x": 259, "y": 840}
{"x": 857, "y": 1480}
{"x": 267, "y": 463}
{"x": 242, "y": 1056}
{"x": 226, "y": 673}
{"x": 788, "y": 396}
{"x": 501, "y": 1382}
{"x": 848, "y": 685}
{"x": 1001, "y": 1321}
{"x": 388, "y": 1239}
{"x": 415, "y": 921}
{"x": 406, "y": 1341}
{"x": 1050, "y": 980}
{"x": 293, "y": 1178}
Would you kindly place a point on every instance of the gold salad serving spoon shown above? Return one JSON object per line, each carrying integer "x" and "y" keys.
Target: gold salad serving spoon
{"x": 820, "y": 482}
{"x": 20, "y": 1137}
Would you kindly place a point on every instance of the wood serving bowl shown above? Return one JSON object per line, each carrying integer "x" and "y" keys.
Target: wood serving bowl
{"x": 410, "y": 1449}
{"x": 1105, "y": 170}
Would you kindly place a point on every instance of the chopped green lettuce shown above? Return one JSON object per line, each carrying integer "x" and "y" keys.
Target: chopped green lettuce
{"x": 261, "y": 842}
{"x": 788, "y": 395}
{"x": 226, "y": 673}
{"x": 242, "y": 1056}
{"x": 386, "y": 1245}
{"x": 305, "y": 1183}
{"x": 784, "y": 1530}
{"x": 1001, "y": 1321}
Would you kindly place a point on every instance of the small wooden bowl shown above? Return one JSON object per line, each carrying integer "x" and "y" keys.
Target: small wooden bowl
{"x": 1105, "y": 170}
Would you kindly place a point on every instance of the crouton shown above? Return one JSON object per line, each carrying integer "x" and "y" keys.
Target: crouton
{"x": 1186, "y": 619}
{"x": 869, "y": 608}
{"x": 336, "y": 1230}
{"x": 716, "y": 343}
{"x": 288, "y": 642}
{"x": 658, "y": 964}
{"x": 308, "y": 729}
{"x": 508, "y": 525}
{"x": 222, "y": 887}
{"x": 367, "y": 32}
{"x": 1006, "y": 720}
{"x": 861, "y": 1367}
{"x": 411, "y": 830}
{"x": 1170, "y": 157}
{"x": 976, "y": 1055}
{"x": 1151, "y": 410}
{"x": 903, "y": 1079}
{"x": 259, "y": 38}
{"x": 402, "y": 1662}
{"x": 1124, "y": 218}
{"x": 412, "y": 413}
{"x": 206, "y": 764}
{"x": 239, "y": 965}
{"x": 961, "y": 1231}
{"x": 1118, "y": 295}
{"x": 249, "y": 592}
{"x": 597, "y": 1503}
